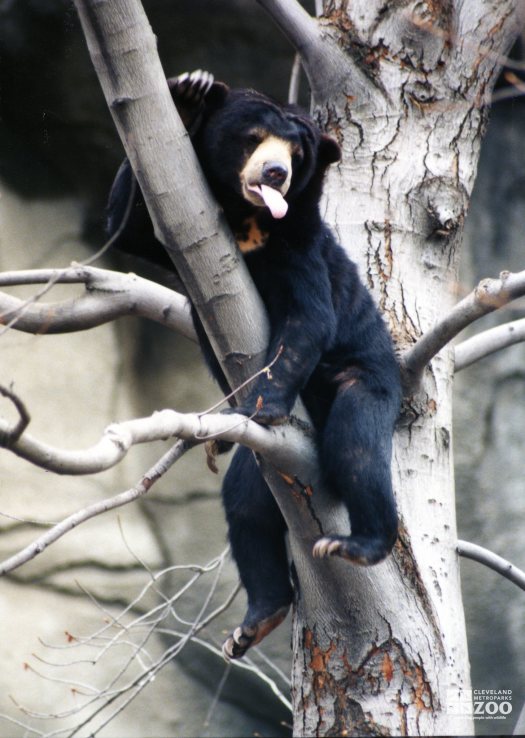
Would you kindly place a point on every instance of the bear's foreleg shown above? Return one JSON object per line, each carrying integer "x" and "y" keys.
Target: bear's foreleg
{"x": 303, "y": 323}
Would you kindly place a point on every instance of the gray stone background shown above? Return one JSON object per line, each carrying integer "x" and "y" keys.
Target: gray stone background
{"x": 58, "y": 153}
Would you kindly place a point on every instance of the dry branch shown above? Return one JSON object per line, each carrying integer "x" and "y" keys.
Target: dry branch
{"x": 97, "y": 508}
{"x": 131, "y": 634}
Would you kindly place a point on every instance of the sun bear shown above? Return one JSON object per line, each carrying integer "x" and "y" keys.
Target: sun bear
{"x": 265, "y": 164}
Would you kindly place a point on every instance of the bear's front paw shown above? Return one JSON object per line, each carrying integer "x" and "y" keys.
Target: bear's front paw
{"x": 271, "y": 413}
{"x": 264, "y": 414}
{"x": 193, "y": 86}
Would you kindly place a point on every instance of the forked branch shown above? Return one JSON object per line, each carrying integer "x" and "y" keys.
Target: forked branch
{"x": 489, "y": 295}
{"x": 329, "y": 70}
{"x": 109, "y": 295}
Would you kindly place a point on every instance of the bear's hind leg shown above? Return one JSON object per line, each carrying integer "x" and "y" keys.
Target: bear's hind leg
{"x": 256, "y": 531}
{"x": 356, "y": 456}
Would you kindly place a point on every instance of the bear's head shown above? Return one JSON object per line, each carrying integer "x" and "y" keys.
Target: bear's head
{"x": 256, "y": 153}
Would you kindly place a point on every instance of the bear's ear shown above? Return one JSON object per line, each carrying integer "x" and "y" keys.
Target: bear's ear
{"x": 195, "y": 92}
{"x": 329, "y": 149}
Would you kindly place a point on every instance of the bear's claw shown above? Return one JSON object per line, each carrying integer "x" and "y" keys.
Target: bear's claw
{"x": 363, "y": 552}
{"x": 193, "y": 85}
{"x": 245, "y": 636}
{"x": 327, "y": 547}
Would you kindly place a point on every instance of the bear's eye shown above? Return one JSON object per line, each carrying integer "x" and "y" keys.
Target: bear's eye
{"x": 254, "y": 138}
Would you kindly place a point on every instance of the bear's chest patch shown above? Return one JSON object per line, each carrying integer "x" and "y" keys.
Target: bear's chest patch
{"x": 250, "y": 236}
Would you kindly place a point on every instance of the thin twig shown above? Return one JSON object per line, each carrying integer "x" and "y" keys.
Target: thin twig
{"x": 295, "y": 80}
{"x": 265, "y": 370}
{"x": 493, "y": 561}
{"x": 10, "y": 435}
{"x": 488, "y": 342}
{"x": 139, "y": 683}
{"x": 102, "y": 506}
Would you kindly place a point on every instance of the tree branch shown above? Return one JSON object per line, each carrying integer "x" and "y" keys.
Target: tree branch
{"x": 191, "y": 226}
{"x": 10, "y": 434}
{"x": 489, "y": 295}
{"x": 109, "y": 295}
{"x": 488, "y": 342}
{"x": 493, "y": 561}
{"x": 484, "y": 35}
{"x": 283, "y": 446}
{"x": 186, "y": 218}
{"x": 329, "y": 70}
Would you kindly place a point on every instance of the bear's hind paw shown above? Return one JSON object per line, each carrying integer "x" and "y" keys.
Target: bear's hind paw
{"x": 359, "y": 550}
{"x": 245, "y": 636}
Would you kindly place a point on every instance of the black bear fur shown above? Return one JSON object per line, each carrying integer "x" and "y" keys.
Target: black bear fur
{"x": 336, "y": 352}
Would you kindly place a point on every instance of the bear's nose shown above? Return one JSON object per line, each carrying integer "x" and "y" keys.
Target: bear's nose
{"x": 274, "y": 173}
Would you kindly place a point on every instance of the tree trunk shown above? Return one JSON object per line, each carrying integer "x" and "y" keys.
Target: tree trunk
{"x": 384, "y": 653}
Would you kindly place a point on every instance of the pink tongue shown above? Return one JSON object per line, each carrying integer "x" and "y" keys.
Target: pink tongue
{"x": 273, "y": 200}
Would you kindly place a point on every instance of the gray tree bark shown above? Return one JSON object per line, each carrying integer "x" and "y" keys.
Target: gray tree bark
{"x": 403, "y": 87}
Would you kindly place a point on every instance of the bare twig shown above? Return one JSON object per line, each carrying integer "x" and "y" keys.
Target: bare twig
{"x": 265, "y": 370}
{"x": 109, "y": 295}
{"x": 137, "y": 684}
{"x": 140, "y": 667}
{"x": 488, "y": 342}
{"x": 493, "y": 561}
{"x": 489, "y": 295}
{"x": 9, "y": 435}
{"x": 295, "y": 81}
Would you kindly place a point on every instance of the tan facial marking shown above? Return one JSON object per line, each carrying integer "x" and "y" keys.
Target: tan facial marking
{"x": 271, "y": 149}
